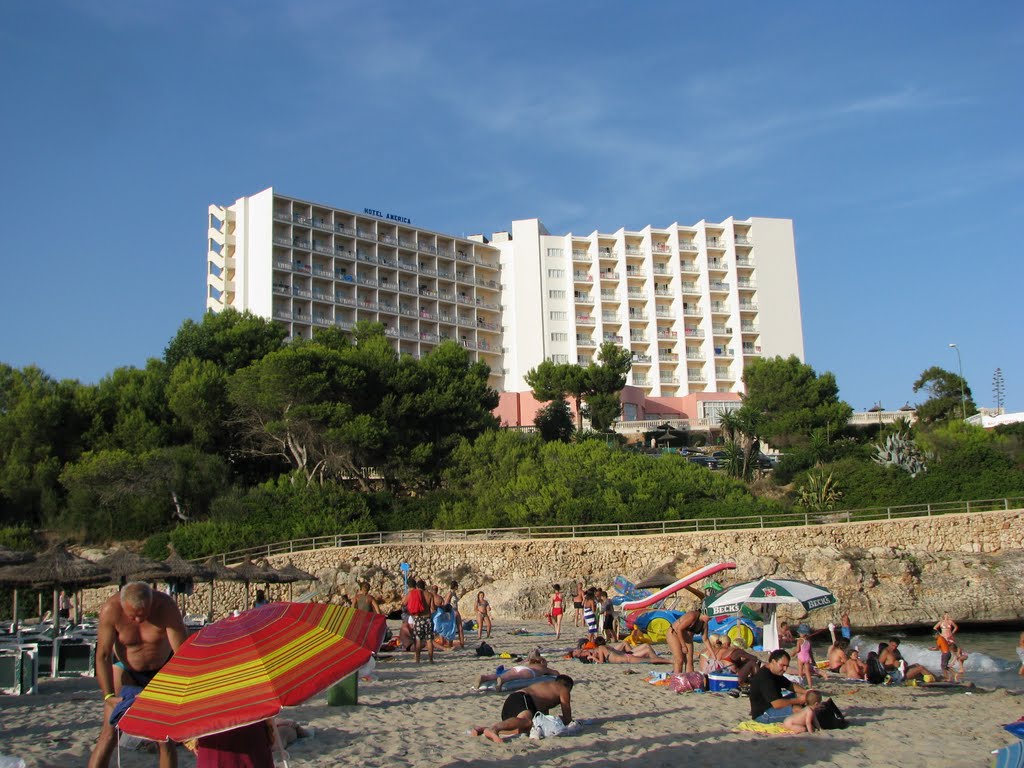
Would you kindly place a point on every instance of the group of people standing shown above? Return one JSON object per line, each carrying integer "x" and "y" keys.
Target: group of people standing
{"x": 593, "y": 609}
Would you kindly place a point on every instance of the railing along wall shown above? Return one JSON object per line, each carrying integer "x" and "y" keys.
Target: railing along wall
{"x": 625, "y": 529}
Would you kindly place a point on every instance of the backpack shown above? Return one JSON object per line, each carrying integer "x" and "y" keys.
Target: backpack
{"x": 830, "y": 717}
{"x": 484, "y": 650}
{"x": 414, "y": 605}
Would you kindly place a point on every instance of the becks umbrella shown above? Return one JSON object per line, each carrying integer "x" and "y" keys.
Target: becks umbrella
{"x": 245, "y": 668}
{"x": 768, "y": 591}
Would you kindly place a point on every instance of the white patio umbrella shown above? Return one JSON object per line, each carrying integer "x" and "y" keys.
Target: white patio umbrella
{"x": 771, "y": 593}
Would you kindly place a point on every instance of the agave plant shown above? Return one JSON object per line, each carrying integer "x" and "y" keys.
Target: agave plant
{"x": 820, "y": 493}
{"x": 900, "y": 450}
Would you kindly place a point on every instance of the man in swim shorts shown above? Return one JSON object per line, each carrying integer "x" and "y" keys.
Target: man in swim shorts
{"x": 519, "y": 708}
{"x": 680, "y": 639}
{"x": 143, "y": 628}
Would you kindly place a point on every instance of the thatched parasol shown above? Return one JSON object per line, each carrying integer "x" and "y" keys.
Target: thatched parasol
{"x": 662, "y": 576}
{"x": 219, "y": 572}
{"x": 255, "y": 574}
{"x": 124, "y": 565}
{"x": 289, "y": 574}
{"x": 13, "y": 557}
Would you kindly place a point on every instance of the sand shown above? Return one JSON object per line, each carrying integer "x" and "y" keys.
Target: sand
{"x": 417, "y": 716}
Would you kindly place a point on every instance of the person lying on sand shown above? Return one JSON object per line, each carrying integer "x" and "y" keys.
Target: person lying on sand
{"x": 641, "y": 654}
{"x": 519, "y": 708}
{"x": 534, "y": 666}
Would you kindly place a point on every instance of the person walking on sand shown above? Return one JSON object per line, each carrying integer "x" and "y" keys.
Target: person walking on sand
{"x": 557, "y": 602}
{"x": 483, "y": 614}
{"x": 577, "y": 604}
{"x": 804, "y": 653}
{"x": 590, "y": 613}
{"x": 453, "y": 601}
{"x": 519, "y": 708}
{"x": 139, "y": 630}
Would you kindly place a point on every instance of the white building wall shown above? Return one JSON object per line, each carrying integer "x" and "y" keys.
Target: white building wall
{"x": 778, "y": 291}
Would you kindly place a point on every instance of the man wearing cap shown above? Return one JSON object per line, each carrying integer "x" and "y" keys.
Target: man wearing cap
{"x": 143, "y": 629}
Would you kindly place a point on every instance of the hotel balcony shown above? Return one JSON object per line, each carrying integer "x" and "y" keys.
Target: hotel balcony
{"x": 585, "y": 341}
{"x": 609, "y": 275}
{"x": 585, "y": 320}
{"x": 715, "y": 244}
{"x": 668, "y": 357}
{"x": 581, "y": 256}
{"x": 582, "y": 277}
{"x": 744, "y": 241}
{"x": 752, "y": 351}
{"x": 687, "y": 245}
{"x": 749, "y": 306}
{"x": 664, "y": 334}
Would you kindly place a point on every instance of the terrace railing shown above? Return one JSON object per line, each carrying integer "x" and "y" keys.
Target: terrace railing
{"x": 789, "y": 519}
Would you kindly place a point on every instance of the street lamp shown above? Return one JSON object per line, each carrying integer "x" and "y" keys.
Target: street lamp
{"x": 960, "y": 370}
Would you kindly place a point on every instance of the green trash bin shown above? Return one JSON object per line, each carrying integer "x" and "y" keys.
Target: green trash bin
{"x": 344, "y": 693}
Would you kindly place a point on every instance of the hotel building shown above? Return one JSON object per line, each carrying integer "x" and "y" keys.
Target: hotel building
{"x": 692, "y": 304}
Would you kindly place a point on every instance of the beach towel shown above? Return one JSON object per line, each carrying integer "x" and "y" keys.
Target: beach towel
{"x": 756, "y": 727}
{"x": 1011, "y": 756}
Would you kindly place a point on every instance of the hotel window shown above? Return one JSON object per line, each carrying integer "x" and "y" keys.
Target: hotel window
{"x": 556, "y": 273}
{"x": 556, "y": 294}
{"x": 559, "y": 358}
{"x": 555, "y": 253}
{"x": 558, "y": 315}
{"x": 559, "y": 336}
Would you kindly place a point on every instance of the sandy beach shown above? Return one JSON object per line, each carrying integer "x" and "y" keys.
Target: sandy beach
{"x": 417, "y": 716}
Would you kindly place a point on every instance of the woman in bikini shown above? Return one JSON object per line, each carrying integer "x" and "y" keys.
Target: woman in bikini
{"x": 483, "y": 614}
{"x": 557, "y": 610}
{"x": 534, "y": 666}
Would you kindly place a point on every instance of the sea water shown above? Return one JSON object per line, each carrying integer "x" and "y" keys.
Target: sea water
{"x": 991, "y": 656}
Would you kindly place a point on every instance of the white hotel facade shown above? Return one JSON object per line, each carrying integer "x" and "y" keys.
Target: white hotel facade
{"x": 692, "y": 304}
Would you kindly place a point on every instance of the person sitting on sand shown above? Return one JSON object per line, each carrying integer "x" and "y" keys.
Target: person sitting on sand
{"x": 786, "y": 639}
{"x": 641, "y": 654}
{"x": 853, "y": 668}
{"x": 837, "y": 655}
{"x": 1020, "y": 654}
{"x": 805, "y": 720}
{"x": 519, "y": 708}
{"x": 733, "y": 658}
{"x": 892, "y": 660}
{"x": 768, "y": 702}
{"x": 534, "y": 666}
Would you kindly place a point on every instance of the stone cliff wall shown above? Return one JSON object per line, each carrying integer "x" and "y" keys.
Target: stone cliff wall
{"x": 884, "y": 573}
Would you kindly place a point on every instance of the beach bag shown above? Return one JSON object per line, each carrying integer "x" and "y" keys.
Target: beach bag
{"x": 484, "y": 650}
{"x": 681, "y": 682}
{"x": 545, "y": 726}
{"x": 830, "y": 717}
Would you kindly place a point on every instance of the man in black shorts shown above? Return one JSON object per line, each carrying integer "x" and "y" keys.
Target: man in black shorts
{"x": 519, "y": 708}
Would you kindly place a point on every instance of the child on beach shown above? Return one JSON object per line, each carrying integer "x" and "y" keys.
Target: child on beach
{"x": 806, "y": 720}
{"x": 804, "y": 653}
{"x": 956, "y": 656}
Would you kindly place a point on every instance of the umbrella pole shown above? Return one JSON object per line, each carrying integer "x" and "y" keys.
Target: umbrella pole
{"x": 14, "y": 610}
{"x": 54, "y": 660}
{"x": 40, "y": 614}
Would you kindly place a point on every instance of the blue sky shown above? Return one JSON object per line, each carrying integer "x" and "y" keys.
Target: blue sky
{"x": 891, "y": 133}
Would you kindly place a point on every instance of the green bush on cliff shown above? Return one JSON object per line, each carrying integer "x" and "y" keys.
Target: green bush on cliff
{"x": 508, "y": 479}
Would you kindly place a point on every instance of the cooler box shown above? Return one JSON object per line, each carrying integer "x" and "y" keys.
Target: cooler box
{"x": 344, "y": 693}
{"x": 719, "y": 681}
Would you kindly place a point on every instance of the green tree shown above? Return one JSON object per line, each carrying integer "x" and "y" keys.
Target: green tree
{"x": 787, "y": 400}
{"x": 197, "y": 396}
{"x": 554, "y": 421}
{"x": 944, "y": 391}
{"x": 230, "y": 339}
{"x": 820, "y": 492}
{"x": 128, "y": 409}
{"x": 598, "y": 384}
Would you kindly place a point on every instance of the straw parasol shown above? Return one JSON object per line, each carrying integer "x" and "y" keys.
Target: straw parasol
{"x": 13, "y": 557}
{"x": 253, "y": 573}
{"x": 124, "y": 565}
{"x": 289, "y": 574}
{"x": 176, "y": 572}
{"x": 219, "y": 572}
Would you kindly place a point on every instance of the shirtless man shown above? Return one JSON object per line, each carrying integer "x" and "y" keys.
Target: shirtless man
{"x": 520, "y": 707}
{"x": 680, "y": 639}
{"x": 891, "y": 657}
{"x": 143, "y": 629}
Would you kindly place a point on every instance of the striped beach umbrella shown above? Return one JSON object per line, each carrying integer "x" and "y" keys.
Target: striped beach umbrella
{"x": 768, "y": 591}
{"x": 245, "y": 668}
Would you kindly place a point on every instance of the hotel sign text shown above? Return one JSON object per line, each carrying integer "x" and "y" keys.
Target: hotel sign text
{"x": 388, "y": 216}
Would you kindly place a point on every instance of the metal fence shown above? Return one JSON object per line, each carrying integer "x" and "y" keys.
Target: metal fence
{"x": 626, "y": 529}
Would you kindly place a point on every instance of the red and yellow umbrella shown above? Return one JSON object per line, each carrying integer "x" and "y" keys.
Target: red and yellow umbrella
{"x": 245, "y": 668}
